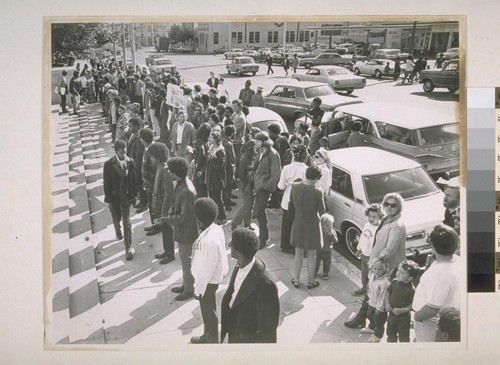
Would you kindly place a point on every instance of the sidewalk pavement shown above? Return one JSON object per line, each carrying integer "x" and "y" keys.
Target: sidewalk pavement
{"x": 136, "y": 302}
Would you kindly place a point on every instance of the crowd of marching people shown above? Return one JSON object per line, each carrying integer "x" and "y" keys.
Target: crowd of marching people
{"x": 187, "y": 164}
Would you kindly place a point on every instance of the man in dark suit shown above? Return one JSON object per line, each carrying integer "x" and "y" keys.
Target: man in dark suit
{"x": 213, "y": 81}
{"x": 119, "y": 192}
{"x": 135, "y": 150}
{"x": 250, "y": 307}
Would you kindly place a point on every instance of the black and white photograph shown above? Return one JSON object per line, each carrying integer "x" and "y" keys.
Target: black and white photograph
{"x": 255, "y": 182}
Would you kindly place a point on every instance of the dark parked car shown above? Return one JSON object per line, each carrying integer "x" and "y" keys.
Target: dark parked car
{"x": 324, "y": 59}
{"x": 446, "y": 77}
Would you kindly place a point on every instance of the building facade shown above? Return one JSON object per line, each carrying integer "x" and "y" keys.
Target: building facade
{"x": 211, "y": 37}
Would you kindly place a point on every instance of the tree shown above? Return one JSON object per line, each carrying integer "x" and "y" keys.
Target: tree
{"x": 181, "y": 33}
{"x": 77, "y": 37}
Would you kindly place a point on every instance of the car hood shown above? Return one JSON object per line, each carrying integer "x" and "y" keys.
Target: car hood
{"x": 423, "y": 213}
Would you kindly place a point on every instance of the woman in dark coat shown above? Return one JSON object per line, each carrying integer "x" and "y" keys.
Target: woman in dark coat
{"x": 200, "y": 158}
{"x": 305, "y": 209}
{"x": 216, "y": 173}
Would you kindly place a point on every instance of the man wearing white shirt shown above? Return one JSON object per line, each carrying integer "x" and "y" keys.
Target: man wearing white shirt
{"x": 439, "y": 286}
{"x": 250, "y": 306}
{"x": 209, "y": 266}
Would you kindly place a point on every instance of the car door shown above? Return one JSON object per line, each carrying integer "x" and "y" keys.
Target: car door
{"x": 289, "y": 103}
{"x": 368, "y": 67}
{"x": 448, "y": 77}
{"x": 340, "y": 200}
{"x": 273, "y": 100}
{"x": 312, "y": 74}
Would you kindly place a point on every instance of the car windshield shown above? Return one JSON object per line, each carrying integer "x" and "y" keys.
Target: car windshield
{"x": 246, "y": 60}
{"x": 411, "y": 184}
{"x": 337, "y": 71}
{"x": 163, "y": 62}
{"x": 321, "y": 90}
{"x": 438, "y": 135}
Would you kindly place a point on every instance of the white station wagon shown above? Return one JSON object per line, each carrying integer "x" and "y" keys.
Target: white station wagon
{"x": 242, "y": 65}
{"x": 364, "y": 175}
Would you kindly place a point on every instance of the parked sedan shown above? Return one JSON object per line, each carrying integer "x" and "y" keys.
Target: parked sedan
{"x": 152, "y": 57}
{"x": 451, "y": 53}
{"x": 374, "y": 174}
{"x": 161, "y": 64}
{"x": 324, "y": 59}
{"x": 446, "y": 77}
{"x": 338, "y": 77}
{"x": 375, "y": 67}
{"x": 241, "y": 65}
{"x": 235, "y": 52}
{"x": 262, "y": 118}
{"x": 251, "y": 53}
{"x": 288, "y": 99}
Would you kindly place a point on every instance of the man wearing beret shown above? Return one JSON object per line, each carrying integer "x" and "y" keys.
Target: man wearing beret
{"x": 209, "y": 266}
{"x": 183, "y": 220}
{"x": 250, "y": 307}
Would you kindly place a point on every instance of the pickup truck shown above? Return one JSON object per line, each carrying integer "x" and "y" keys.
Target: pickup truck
{"x": 446, "y": 77}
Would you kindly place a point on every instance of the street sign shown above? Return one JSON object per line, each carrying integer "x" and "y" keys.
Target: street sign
{"x": 174, "y": 95}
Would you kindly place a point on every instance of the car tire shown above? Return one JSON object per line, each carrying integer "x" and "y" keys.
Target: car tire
{"x": 428, "y": 86}
{"x": 351, "y": 237}
{"x": 452, "y": 89}
{"x": 378, "y": 74}
{"x": 254, "y": 73}
{"x": 349, "y": 91}
{"x": 357, "y": 71}
{"x": 307, "y": 65}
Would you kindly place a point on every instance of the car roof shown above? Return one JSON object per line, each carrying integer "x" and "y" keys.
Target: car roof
{"x": 243, "y": 58}
{"x": 387, "y": 49}
{"x": 377, "y": 59}
{"x": 369, "y": 160}
{"x": 328, "y": 67}
{"x": 402, "y": 116}
{"x": 303, "y": 84}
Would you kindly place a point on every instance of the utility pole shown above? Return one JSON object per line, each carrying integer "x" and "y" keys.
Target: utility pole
{"x": 298, "y": 32}
{"x": 412, "y": 39}
{"x": 284, "y": 36}
{"x": 124, "y": 44}
{"x": 114, "y": 41}
{"x": 132, "y": 43}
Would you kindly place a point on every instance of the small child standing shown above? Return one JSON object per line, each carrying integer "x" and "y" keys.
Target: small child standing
{"x": 324, "y": 254}
{"x": 377, "y": 287}
{"x": 398, "y": 300}
{"x": 374, "y": 214}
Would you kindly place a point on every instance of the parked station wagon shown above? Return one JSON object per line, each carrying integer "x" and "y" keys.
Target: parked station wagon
{"x": 241, "y": 65}
{"x": 430, "y": 138}
{"x": 364, "y": 175}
